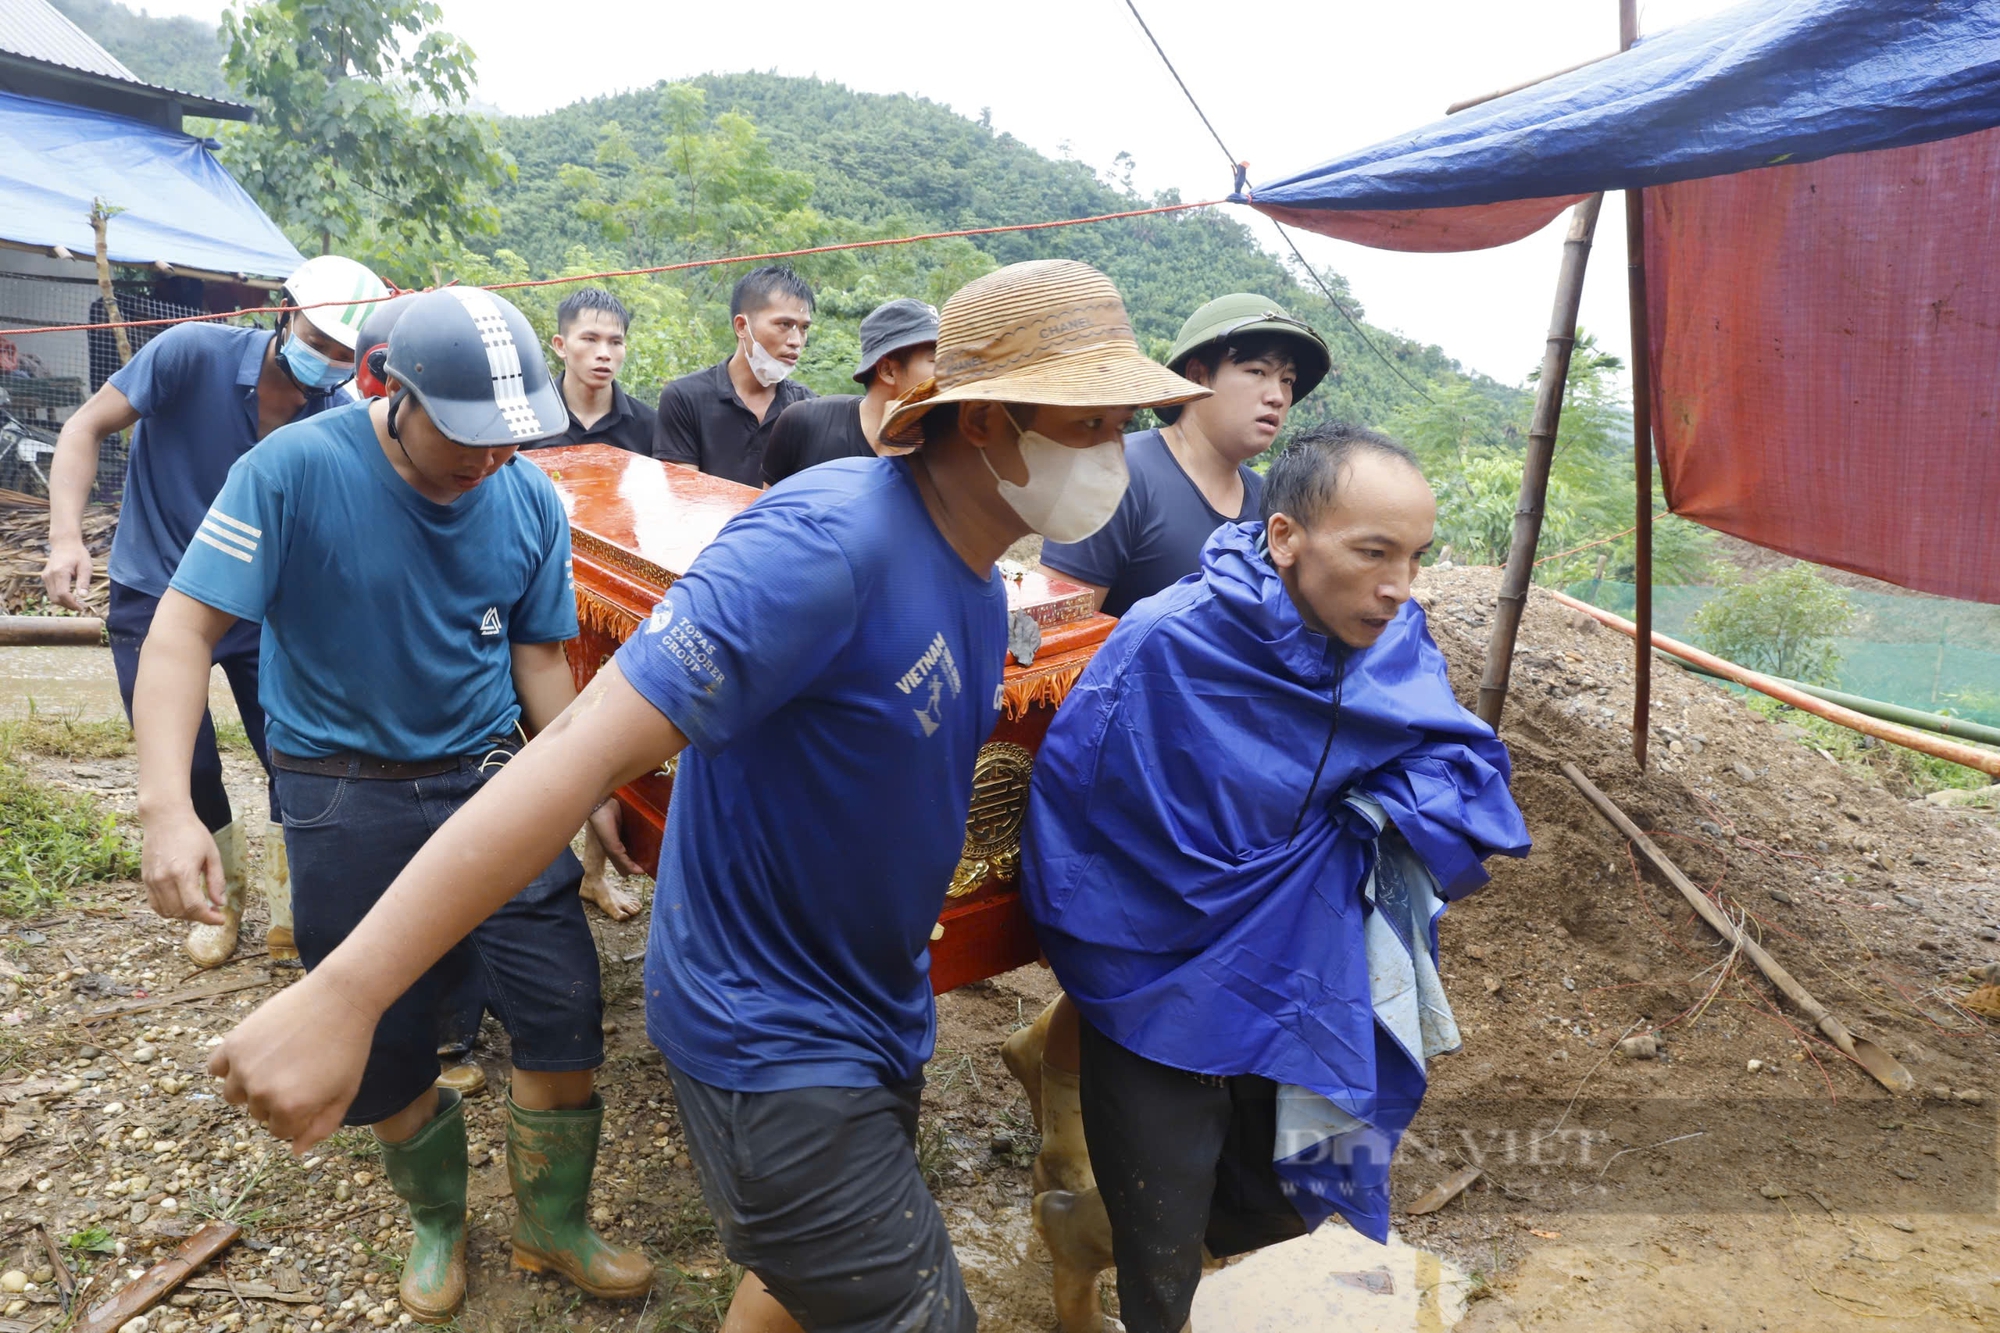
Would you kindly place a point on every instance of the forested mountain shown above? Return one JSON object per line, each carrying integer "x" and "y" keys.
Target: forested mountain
{"x": 738, "y": 164}
{"x": 901, "y": 165}
{"x": 181, "y": 53}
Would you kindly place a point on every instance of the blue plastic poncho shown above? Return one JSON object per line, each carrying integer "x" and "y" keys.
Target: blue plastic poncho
{"x": 1220, "y": 889}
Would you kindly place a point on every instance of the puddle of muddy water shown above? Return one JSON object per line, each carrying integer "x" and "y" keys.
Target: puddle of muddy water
{"x": 80, "y": 683}
{"x": 1333, "y": 1280}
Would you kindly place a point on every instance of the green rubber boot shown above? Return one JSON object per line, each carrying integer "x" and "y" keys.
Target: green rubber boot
{"x": 427, "y": 1171}
{"x": 551, "y": 1156}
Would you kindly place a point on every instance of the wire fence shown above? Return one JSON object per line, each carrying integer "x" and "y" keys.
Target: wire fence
{"x": 1931, "y": 653}
{"x": 46, "y": 376}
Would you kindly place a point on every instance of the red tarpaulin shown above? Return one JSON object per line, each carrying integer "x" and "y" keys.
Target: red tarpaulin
{"x": 1826, "y": 345}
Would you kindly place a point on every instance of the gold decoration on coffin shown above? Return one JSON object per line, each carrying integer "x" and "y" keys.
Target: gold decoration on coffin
{"x": 993, "y": 825}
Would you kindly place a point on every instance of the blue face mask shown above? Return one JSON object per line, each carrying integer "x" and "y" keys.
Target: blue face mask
{"x": 312, "y": 368}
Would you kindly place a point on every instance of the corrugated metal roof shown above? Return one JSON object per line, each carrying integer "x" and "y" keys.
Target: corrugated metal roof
{"x": 40, "y": 31}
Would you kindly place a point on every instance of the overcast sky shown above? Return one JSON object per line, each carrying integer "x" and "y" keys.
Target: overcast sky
{"x": 1287, "y": 86}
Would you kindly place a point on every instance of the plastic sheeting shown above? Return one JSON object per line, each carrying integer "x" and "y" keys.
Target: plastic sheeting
{"x": 179, "y": 204}
{"x": 1826, "y": 345}
{"x": 1764, "y": 82}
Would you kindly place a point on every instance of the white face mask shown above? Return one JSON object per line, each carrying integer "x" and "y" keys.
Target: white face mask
{"x": 767, "y": 368}
{"x": 1071, "y": 493}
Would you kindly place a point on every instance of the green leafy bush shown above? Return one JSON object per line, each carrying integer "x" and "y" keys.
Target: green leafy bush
{"x": 1783, "y": 624}
{"x": 54, "y": 841}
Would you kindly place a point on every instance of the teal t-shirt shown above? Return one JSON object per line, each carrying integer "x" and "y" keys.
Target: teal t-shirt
{"x": 388, "y": 618}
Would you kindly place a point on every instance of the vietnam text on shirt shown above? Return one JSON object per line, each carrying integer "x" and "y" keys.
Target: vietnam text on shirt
{"x": 836, "y": 666}
{"x": 195, "y": 390}
{"x": 317, "y": 536}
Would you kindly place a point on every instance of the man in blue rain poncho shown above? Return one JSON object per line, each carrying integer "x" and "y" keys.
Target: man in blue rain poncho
{"x": 1243, "y": 826}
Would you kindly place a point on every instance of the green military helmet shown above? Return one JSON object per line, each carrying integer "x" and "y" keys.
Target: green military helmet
{"x": 1242, "y": 313}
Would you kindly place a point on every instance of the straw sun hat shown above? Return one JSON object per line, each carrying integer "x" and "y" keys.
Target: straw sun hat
{"x": 1053, "y": 333}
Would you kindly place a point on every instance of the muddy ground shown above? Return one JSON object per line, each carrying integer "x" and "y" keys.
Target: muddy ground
{"x": 1687, "y": 1191}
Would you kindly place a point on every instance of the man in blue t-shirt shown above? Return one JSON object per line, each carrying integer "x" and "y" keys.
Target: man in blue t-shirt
{"x": 414, "y": 588}
{"x": 1189, "y": 478}
{"x": 196, "y": 399}
{"x": 831, "y": 662}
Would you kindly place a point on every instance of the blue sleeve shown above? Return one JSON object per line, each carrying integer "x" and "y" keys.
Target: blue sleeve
{"x": 1102, "y": 556}
{"x": 759, "y": 615}
{"x": 150, "y": 379}
{"x": 232, "y": 564}
{"x": 546, "y": 612}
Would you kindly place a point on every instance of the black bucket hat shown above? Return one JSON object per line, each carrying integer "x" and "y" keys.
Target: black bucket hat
{"x": 473, "y": 363}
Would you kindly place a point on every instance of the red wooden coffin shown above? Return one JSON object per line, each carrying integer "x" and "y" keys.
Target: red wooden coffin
{"x": 636, "y": 523}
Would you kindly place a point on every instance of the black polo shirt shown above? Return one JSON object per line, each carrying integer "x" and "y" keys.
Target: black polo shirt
{"x": 629, "y": 425}
{"x": 703, "y": 423}
{"x": 815, "y": 432}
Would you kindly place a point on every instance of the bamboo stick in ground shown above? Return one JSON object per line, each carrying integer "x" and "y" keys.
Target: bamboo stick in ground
{"x": 1885, "y": 1068}
{"x": 159, "y": 1281}
{"x": 1986, "y": 761}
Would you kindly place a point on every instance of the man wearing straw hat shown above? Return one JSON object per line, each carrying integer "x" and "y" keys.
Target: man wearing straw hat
{"x": 830, "y": 664}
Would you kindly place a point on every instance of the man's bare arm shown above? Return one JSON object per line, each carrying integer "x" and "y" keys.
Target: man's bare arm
{"x": 66, "y": 575}
{"x": 542, "y": 682}
{"x": 1097, "y": 593}
{"x": 544, "y": 685}
{"x": 297, "y": 1060}
{"x": 180, "y": 864}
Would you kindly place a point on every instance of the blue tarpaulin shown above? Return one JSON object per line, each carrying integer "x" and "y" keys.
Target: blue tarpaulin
{"x": 179, "y": 204}
{"x": 1762, "y": 83}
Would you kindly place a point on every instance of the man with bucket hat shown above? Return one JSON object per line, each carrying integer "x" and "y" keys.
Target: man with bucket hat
{"x": 197, "y": 398}
{"x": 1189, "y": 478}
{"x": 898, "y": 352}
{"x": 413, "y": 583}
{"x": 825, "y": 671}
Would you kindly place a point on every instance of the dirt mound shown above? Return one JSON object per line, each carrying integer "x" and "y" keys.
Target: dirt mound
{"x": 1878, "y": 903}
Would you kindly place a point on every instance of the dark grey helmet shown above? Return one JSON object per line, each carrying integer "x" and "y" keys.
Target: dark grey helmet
{"x": 471, "y": 360}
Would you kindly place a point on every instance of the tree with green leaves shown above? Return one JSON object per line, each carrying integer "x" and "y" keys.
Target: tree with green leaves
{"x": 1785, "y": 624}
{"x": 362, "y": 140}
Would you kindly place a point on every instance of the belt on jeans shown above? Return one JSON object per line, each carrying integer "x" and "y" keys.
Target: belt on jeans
{"x": 352, "y": 765}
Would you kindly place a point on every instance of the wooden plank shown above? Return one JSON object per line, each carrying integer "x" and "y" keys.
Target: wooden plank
{"x": 159, "y": 1281}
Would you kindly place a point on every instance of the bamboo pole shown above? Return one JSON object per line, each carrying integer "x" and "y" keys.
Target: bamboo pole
{"x": 1876, "y": 708}
{"x": 1986, "y": 761}
{"x": 51, "y": 631}
{"x": 1642, "y": 433}
{"x": 1886, "y": 1069}
{"x": 101, "y": 214}
{"x": 1498, "y": 93}
{"x": 1535, "y": 467}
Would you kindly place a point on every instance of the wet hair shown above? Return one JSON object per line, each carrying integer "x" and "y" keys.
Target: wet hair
{"x": 761, "y": 286}
{"x": 590, "y": 298}
{"x": 1304, "y": 480}
{"x": 1253, "y": 346}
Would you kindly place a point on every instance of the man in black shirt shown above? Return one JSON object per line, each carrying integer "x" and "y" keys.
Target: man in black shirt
{"x": 898, "y": 352}
{"x": 591, "y": 325}
{"x": 720, "y": 419}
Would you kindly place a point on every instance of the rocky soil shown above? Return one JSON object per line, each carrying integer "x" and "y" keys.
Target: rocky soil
{"x": 1745, "y": 1175}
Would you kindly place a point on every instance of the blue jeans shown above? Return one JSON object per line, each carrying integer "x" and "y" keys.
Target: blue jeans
{"x": 534, "y": 959}
{"x": 130, "y": 620}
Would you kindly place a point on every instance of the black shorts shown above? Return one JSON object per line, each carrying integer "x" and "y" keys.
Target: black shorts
{"x": 348, "y": 839}
{"x": 1183, "y": 1161}
{"x": 817, "y": 1191}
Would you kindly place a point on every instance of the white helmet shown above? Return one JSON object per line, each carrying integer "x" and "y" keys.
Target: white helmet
{"x": 326, "y": 279}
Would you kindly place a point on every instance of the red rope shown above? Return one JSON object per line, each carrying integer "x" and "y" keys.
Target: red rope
{"x": 659, "y": 268}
